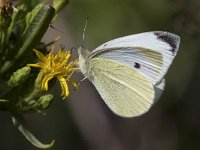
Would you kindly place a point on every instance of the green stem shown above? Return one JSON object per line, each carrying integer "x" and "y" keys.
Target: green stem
{"x": 37, "y": 89}
{"x": 3, "y": 37}
{"x": 4, "y": 105}
{"x": 20, "y": 123}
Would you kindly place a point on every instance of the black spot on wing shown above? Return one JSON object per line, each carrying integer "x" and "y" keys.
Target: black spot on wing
{"x": 137, "y": 65}
{"x": 168, "y": 38}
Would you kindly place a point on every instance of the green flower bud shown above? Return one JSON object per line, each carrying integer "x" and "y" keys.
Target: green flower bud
{"x": 19, "y": 76}
{"x": 44, "y": 101}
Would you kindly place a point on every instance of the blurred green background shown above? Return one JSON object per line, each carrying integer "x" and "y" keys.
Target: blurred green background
{"x": 84, "y": 122}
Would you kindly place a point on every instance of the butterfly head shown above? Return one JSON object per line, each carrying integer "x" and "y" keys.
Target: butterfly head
{"x": 82, "y": 52}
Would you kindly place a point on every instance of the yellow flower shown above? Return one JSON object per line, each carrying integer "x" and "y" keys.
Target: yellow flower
{"x": 56, "y": 66}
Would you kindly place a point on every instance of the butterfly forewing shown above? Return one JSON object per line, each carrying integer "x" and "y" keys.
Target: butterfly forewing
{"x": 152, "y": 52}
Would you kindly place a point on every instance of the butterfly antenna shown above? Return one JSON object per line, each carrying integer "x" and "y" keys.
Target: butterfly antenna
{"x": 86, "y": 22}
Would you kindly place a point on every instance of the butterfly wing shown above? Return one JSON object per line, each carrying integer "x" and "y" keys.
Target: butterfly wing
{"x": 149, "y": 53}
{"x": 125, "y": 91}
{"x": 128, "y": 71}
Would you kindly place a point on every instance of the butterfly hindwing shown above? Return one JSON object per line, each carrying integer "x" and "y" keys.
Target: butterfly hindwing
{"x": 125, "y": 91}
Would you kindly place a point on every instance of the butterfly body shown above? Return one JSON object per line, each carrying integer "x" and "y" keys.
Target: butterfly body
{"x": 128, "y": 72}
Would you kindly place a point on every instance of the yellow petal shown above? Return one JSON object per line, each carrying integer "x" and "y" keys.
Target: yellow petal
{"x": 41, "y": 56}
{"x": 67, "y": 55}
{"x": 50, "y": 56}
{"x": 74, "y": 83}
{"x": 38, "y": 65}
{"x": 45, "y": 81}
{"x": 64, "y": 86}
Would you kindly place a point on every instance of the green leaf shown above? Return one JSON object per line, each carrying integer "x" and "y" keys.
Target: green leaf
{"x": 59, "y": 4}
{"x": 32, "y": 4}
{"x": 30, "y": 16}
{"x": 32, "y": 35}
{"x": 19, "y": 122}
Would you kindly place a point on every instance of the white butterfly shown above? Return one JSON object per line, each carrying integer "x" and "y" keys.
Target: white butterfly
{"x": 128, "y": 72}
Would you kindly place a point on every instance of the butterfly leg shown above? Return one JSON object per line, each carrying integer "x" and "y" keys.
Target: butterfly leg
{"x": 70, "y": 75}
{"x": 82, "y": 80}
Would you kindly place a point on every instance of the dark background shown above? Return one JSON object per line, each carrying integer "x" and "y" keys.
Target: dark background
{"x": 83, "y": 121}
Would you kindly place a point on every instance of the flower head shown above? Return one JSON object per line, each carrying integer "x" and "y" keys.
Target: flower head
{"x": 56, "y": 66}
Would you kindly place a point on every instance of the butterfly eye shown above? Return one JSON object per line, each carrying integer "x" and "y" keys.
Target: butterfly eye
{"x": 137, "y": 65}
